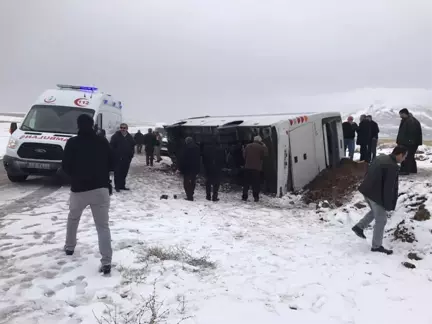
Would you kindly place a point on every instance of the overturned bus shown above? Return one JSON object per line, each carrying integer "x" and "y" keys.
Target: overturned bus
{"x": 300, "y": 145}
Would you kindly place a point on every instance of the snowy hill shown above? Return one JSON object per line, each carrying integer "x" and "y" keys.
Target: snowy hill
{"x": 388, "y": 118}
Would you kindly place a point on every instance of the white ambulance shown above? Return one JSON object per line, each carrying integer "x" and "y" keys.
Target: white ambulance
{"x": 36, "y": 147}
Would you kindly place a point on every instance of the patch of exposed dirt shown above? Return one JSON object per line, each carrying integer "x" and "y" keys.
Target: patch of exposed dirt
{"x": 335, "y": 186}
{"x": 404, "y": 233}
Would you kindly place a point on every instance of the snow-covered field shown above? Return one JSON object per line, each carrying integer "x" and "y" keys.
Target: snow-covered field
{"x": 210, "y": 263}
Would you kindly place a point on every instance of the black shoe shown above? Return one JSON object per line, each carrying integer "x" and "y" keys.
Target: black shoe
{"x": 359, "y": 232}
{"x": 189, "y": 199}
{"x": 209, "y": 198}
{"x": 117, "y": 190}
{"x": 215, "y": 199}
{"x": 105, "y": 269}
{"x": 256, "y": 199}
{"x": 245, "y": 198}
{"x": 69, "y": 252}
{"x": 382, "y": 250}
{"x": 124, "y": 188}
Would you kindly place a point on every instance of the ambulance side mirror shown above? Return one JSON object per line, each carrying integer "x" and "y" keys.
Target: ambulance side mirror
{"x": 13, "y": 127}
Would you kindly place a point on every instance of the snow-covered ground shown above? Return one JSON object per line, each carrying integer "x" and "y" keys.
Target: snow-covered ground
{"x": 210, "y": 263}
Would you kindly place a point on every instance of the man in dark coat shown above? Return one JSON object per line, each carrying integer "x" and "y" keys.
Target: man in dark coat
{"x": 363, "y": 138}
{"x": 190, "y": 165}
{"x": 374, "y": 138}
{"x": 150, "y": 142}
{"x": 409, "y": 135}
{"x": 349, "y": 130}
{"x": 123, "y": 146}
{"x": 380, "y": 189}
{"x": 254, "y": 154}
{"x": 88, "y": 160}
{"x": 139, "y": 141}
{"x": 213, "y": 160}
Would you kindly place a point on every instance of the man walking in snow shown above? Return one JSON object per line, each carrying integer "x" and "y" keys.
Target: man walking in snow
{"x": 254, "y": 155}
{"x": 374, "y": 138}
{"x": 349, "y": 129}
{"x": 88, "y": 160}
{"x": 364, "y": 138}
{"x": 213, "y": 157}
{"x": 409, "y": 135}
{"x": 190, "y": 165}
{"x": 123, "y": 146}
{"x": 139, "y": 141}
{"x": 149, "y": 146}
{"x": 380, "y": 189}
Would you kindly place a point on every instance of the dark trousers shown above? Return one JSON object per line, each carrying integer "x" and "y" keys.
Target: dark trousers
{"x": 149, "y": 156}
{"x": 139, "y": 148}
{"x": 251, "y": 178}
{"x": 364, "y": 153}
{"x": 189, "y": 184}
{"x": 373, "y": 148}
{"x": 409, "y": 165}
{"x": 212, "y": 185}
{"x": 120, "y": 173}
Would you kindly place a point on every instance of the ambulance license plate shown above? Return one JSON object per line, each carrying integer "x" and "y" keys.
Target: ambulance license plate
{"x": 41, "y": 166}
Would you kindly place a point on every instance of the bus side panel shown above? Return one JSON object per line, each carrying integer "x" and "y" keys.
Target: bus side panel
{"x": 320, "y": 145}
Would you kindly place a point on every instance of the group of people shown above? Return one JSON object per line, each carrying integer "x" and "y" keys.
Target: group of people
{"x": 212, "y": 156}
{"x": 409, "y": 136}
{"x": 152, "y": 142}
{"x": 367, "y": 137}
{"x": 380, "y": 186}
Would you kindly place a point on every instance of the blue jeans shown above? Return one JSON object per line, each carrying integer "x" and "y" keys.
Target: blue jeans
{"x": 350, "y": 145}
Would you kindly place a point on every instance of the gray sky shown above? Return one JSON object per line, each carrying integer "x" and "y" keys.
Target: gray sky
{"x": 177, "y": 58}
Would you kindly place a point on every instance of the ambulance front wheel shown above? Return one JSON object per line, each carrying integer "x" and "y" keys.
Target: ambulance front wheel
{"x": 19, "y": 178}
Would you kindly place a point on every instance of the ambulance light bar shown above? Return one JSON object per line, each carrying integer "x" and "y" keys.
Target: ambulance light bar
{"x": 81, "y": 88}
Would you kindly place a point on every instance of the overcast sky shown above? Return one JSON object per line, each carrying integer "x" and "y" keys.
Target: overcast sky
{"x": 168, "y": 59}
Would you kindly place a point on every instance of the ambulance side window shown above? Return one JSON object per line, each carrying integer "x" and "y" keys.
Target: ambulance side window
{"x": 99, "y": 121}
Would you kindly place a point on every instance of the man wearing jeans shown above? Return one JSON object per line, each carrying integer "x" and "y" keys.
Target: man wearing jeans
{"x": 349, "y": 130}
{"x": 88, "y": 160}
{"x": 380, "y": 189}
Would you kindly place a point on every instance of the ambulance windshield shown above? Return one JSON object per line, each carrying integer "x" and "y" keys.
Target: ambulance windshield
{"x": 54, "y": 119}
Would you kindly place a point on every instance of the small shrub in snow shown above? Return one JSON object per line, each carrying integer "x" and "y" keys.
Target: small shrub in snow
{"x": 422, "y": 214}
{"x": 180, "y": 255}
{"x": 404, "y": 233}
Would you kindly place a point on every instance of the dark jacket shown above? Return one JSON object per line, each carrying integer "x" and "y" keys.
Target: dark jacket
{"x": 139, "y": 138}
{"x": 254, "y": 154}
{"x": 213, "y": 158}
{"x": 381, "y": 183}
{"x": 364, "y": 132}
{"x": 349, "y": 130}
{"x": 150, "y": 141}
{"x": 123, "y": 146}
{"x": 410, "y": 132}
{"x": 374, "y": 130}
{"x": 87, "y": 160}
{"x": 190, "y": 159}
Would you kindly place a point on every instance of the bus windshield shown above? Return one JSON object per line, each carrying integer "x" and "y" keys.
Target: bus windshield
{"x": 54, "y": 119}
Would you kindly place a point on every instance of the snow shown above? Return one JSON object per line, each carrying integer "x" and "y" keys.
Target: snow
{"x": 274, "y": 262}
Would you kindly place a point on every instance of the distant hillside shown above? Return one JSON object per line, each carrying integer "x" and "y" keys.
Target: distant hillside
{"x": 388, "y": 118}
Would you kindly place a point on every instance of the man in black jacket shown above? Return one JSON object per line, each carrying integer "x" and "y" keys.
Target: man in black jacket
{"x": 380, "y": 189}
{"x": 364, "y": 137}
{"x": 213, "y": 160}
{"x": 123, "y": 146}
{"x": 409, "y": 135}
{"x": 190, "y": 165}
{"x": 374, "y": 131}
{"x": 349, "y": 129}
{"x": 149, "y": 146}
{"x": 88, "y": 160}
{"x": 139, "y": 141}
